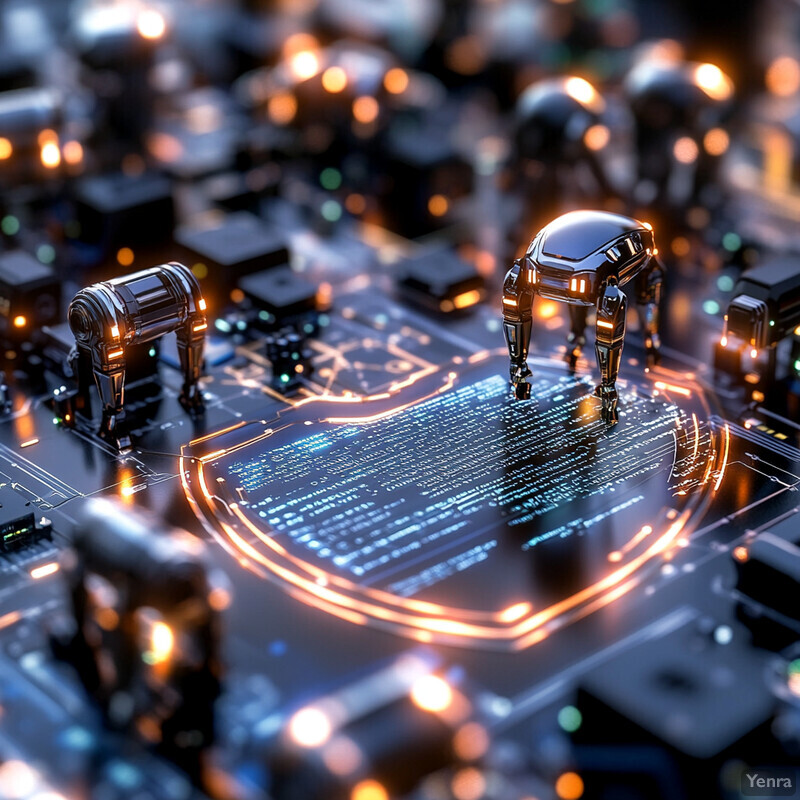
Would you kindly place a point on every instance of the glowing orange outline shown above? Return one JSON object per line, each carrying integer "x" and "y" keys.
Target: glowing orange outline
{"x": 521, "y": 630}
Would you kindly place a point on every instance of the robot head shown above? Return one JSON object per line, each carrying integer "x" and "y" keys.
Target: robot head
{"x": 665, "y": 93}
{"x": 577, "y": 251}
{"x": 553, "y": 118}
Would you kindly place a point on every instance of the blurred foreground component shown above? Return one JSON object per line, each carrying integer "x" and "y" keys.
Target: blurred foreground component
{"x": 378, "y": 737}
{"x": 679, "y": 712}
{"x": 145, "y": 641}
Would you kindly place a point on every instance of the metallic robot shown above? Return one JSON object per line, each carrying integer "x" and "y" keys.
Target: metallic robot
{"x": 583, "y": 258}
{"x": 136, "y": 308}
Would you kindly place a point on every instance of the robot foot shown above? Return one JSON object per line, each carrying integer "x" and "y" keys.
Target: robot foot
{"x": 652, "y": 347}
{"x": 608, "y": 410}
{"x": 572, "y": 356}
{"x": 114, "y": 430}
{"x": 518, "y": 372}
{"x": 117, "y": 438}
{"x": 192, "y": 402}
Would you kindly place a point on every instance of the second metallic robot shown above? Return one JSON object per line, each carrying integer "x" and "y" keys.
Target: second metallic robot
{"x": 583, "y": 258}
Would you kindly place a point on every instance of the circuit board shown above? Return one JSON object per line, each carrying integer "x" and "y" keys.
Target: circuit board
{"x": 422, "y": 586}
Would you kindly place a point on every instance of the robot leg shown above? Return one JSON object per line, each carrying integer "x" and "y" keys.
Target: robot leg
{"x": 610, "y": 337}
{"x": 109, "y": 375}
{"x": 649, "y": 301}
{"x": 576, "y": 339}
{"x": 191, "y": 343}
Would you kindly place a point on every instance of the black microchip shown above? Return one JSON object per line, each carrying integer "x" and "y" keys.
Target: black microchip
{"x": 232, "y": 246}
{"x": 770, "y": 573}
{"x": 17, "y": 521}
{"x": 442, "y": 281}
{"x": 123, "y": 211}
{"x": 30, "y": 294}
{"x": 280, "y": 292}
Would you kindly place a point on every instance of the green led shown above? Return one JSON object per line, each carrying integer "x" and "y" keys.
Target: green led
{"x": 331, "y": 210}
{"x": 46, "y": 253}
{"x": 330, "y": 179}
{"x": 152, "y": 352}
{"x": 570, "y": 719}
{"x": 794, "y": 667}
{"x": 284, "y": 378}
{"x": 731, "y": 242}
{"x": 772, "y": 323}
{"x": 725, "y": 283}
{"x": 9, "y": 225}
{"x": 711, "y": 307}
{"x": 797, "y": 365}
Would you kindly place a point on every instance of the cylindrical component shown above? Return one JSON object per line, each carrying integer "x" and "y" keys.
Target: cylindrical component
{"x": 138, "y": 307}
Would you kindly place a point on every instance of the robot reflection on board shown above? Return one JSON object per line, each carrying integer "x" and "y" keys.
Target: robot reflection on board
{"x": 583, "y": 258}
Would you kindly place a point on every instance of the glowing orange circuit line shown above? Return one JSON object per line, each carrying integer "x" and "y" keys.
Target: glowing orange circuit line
{"x": 9, "y": 619}
{"x": 529, "y": 626}
{"x": 341, "y": 398}
{"x": 212, "y": 456}
{"x": 217, "y": 433}
{"x": 392, "y": 411}
{"x": 643, "y": 534}
{"x": 454, "y": 627}
{"x": 421, "y": 606}
{"x": 671, "y": 387}
{"x": 709, "y": 465}
{"x": 724, "y": 458}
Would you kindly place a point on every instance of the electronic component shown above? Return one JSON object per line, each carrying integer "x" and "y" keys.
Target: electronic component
{"x": 21, "y": 524}
{"x": 765, "y": 309}
{"x": 145, "y": 634}
{"x": 116, "y": 48}
{"x": 441, "y": 281}
{"x": 30, "y": 121}
{"x": 124, "y": 211}
{"x": 290, "y": 358}
{"x": 583, "y": 258}
{"x": 229, "y": 247}
{"x": 108, "y": 317}
{"x": 680, "y": 691}
{"x": 388, "y": 731}
{"x": 768, "y": 570}
{"x": 424, "y": 175}
{"x": 281, "y": 297}
{"x": 30, "y": 296}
